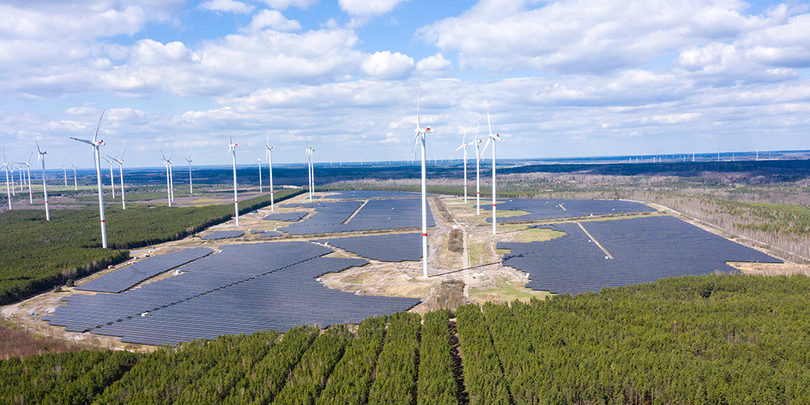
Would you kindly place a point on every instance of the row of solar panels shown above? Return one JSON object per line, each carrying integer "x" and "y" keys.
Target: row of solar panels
{"x": 344, "y": 216}
{"x": 245, "y": 288}
{"x": 539, "y": 210}
{"x": 644, "y": 250}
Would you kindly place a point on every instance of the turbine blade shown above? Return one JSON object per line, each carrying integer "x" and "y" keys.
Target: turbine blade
{"x": 489, "y": 125}
{"x": 75, "y": 139}
{"x": 418, "y": 102}
{"x": 122, "y": 153}
{"x": 95, "y": 137}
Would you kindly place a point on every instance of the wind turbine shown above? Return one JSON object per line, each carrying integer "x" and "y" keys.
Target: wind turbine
{"x": 112, "y": 177}
{"x": 463, "y": 146}
{"x": 121, "y": 173}
{"x": 6, "y": 168}
{"x": 64, "y": 174}
{"x": 41, "y": 158}
{"x": 269, "y": 148}
{"x": 190, "y": 184}
{"x": 75, "y": 182}
{"x": 13, "y": 185}
{"x": 491, "y": 139}
{"x": 168, "y": 179}
{"x": 259, "y": 161}
{"x": 96, "y": 144}
{"x": 27, "y": 165}
{"x": 420, "y": 138}
{"x": 310, "y": 157}
{"x": 478, "y": 152}
{"x": 232, "y": 148}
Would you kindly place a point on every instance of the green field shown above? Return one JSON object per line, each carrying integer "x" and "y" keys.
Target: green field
{"x": 36, "y": 255}
{"x": 722, "y": 339}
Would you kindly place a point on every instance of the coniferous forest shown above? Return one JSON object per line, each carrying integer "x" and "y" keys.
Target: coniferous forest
{"x": 726, "y": 339}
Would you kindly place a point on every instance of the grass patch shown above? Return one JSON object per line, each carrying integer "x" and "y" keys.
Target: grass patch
{"x": 505, "y": 292}
{"x": 510, "y": 213}
{"x": 478, "y": 254}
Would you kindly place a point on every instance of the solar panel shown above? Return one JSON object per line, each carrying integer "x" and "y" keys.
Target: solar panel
{"x": 539, "y": 210}
{"x": 367, "y": 194}
{"x": 133, "y": 274}
{"x": 286, "y": 216}
{"x": 644, "y": 250}
{"x": 388, "y": 248}
{"x": 217, "y": 235}
{"x": 243, "y": 289}
{"x": 374, "y": 215}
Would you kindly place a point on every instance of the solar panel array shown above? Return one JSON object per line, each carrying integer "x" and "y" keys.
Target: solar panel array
{"x": 555, "y": 208}
{"x": 374, "y": 215}
{"x": 133, "y": 274}
{"x": 367, "y": 194}
{"x": 644, "y": 250}
{"x": 217, "y": 235}
{"x": 388, "y": 248}
{"x": 286, "y": 216}
{"x": 270, "y": 234}
{"x": 243, "y": 289}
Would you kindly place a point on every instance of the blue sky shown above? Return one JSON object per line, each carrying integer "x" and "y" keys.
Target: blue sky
{"x": 563, "y": 78}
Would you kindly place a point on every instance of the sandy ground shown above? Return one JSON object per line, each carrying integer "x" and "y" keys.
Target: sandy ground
{"x": 474, "y": 275}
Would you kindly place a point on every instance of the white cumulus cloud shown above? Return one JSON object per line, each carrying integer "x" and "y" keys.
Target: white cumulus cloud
{"x": 228, "y": 6}
{"x": 368, "y": 8}
{"x": 387, "y": 65}
{"x": 273, "y": 19}
{"x": 433, "y": 64}
{"x": 284, "y": 4}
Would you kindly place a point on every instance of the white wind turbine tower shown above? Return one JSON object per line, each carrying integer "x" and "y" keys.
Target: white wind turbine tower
{"x": 478, "y": 152}
{"x": 190, "y": 184}
{"x": 75, "y": 182}
{"x": 41, "y": 158}
{"x": 8, "y": 188}
{"x": 96, "y": 144}
{"x": 463, "y": 146}
{"x": 310, "y": 157}
{"x": 112, "y": 177}
{"x": 169, "y": 184}
{"x": 13, "y": 185}
{"x": 232, "y": 148}
{"x": 171, "y": 178}
{"x": 420, "y": 138}
{"x": 269, "y": 149}
{"x": 64, "y": 174}
{"x": 492, "y": 138}
{"x": 28, "y": 172}
{"x": 259, "y": 161}
{"x": 120, "y": 162}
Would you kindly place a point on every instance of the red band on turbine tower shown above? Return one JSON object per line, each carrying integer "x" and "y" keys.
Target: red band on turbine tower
{"x": 493, "y": 205}
{"x": 424, "y": 234}
{"x": 235, "y": 201}
{"x": 102, "y": 220}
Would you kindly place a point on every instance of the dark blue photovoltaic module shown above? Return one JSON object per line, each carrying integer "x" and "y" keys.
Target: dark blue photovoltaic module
{"x": 243, "y": 289}
{"x": 367, "y": 194}
{"x": 360, "y": 216}
{"x": 286, "y": 216}
{"x": 544, "y": 209}
{"x": 643, "y": 249}
{"x": 387, "y": 248}
{"x": 133, "y": 274}
{"x": 216, "y": 235}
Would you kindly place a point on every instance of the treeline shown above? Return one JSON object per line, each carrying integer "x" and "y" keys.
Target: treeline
{"x": 36, "y": 255}
{"x": 727, "y": 339}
